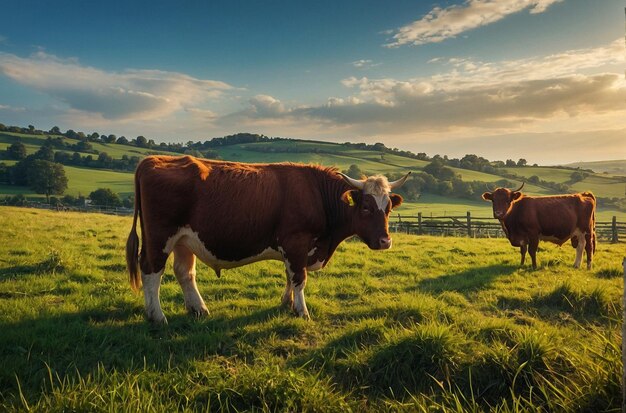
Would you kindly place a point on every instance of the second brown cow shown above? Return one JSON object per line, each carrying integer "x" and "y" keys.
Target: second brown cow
{"x": 526, "y": 220}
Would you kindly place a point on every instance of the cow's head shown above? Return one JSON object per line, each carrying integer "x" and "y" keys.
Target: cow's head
{"x": 502, "y": 200}
{"x": 371, "y": 201}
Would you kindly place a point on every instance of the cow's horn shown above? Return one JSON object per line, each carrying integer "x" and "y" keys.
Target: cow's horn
{"x": 399, "y": 182}
{"x": 520, "y": 188}
{"x": 354, "y": 182}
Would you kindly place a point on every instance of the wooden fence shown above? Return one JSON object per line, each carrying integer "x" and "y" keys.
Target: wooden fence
{"x": 458, "y": 226}
{"x": 482, "y": 227}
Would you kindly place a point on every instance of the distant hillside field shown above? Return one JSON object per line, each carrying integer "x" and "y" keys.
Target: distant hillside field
{"x": 616, "y": 167}
{"x": 84, "y": 180}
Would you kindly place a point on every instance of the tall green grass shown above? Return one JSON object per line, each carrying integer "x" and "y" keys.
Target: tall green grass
{"x": 435, "y": 324}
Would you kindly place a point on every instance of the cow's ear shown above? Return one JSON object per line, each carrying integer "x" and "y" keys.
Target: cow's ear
{"x": 515, "y": 196}
{"x": 396, "y": 200}
{"x": 488, "y": 196}
{"x": 352, "y": 197}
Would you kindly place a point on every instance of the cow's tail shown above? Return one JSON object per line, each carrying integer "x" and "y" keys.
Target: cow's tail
{"x": 132, "y": 244}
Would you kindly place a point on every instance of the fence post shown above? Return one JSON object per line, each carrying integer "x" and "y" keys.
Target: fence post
{"x": 419, "y": 223}
{"x": 614, "y": 230}
{"x": 469, "y": 224}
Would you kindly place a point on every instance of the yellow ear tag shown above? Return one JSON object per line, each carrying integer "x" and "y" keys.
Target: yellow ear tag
{"x": 350, "y": 200}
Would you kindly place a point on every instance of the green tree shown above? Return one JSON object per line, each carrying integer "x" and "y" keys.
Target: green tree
{"x": 45, "y": 153}
{"x": 578, "y": 176}
{"x": 141, "y": 141}
{"x": 47, "y": 178}
{"x": 105, "y": 197}
{"x": 521, "y": 162}
{"x": 4, "y": 173}
{"x": 354, "y": 172}
{"x": 104, "y": 160}
{"x": 17, "y": 151}
{"x": 437, "y": 169}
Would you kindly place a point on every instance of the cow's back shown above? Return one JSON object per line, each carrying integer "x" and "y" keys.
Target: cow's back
{"x": 237, "y": 209}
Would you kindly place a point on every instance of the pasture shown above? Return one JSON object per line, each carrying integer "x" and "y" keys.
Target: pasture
{"x": 444, "y": 324}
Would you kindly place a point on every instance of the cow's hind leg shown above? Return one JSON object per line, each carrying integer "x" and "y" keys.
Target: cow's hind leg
{"x": 589, "y": 248}
{"x": 151, "y": 289}
{"x": 533, "y": 244}
{"x": 580, "y": 247}
{"x": 185, "y": 270}
{"x": 152, "y": 264}
{"x": 522, "y": 251}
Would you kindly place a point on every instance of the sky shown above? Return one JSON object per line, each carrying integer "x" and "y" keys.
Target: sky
{"x": 536, "y": 79}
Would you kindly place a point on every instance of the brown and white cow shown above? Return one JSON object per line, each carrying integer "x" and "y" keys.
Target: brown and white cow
{"x": 230, "y": 214}
{"x": 526, "y": 220}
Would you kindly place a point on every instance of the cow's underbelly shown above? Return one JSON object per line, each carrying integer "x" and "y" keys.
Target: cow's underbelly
{"x": 560, "y": 240}
{"x": 190, "y": 239}
{"x": 553, "y": 239}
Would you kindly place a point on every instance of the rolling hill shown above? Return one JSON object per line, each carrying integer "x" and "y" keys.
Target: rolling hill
{"x": 84, "y": 180}
{"x": 615, "y": 167}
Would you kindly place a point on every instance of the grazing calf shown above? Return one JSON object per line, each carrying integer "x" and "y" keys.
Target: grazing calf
{"x": 230, "y": 214}
{"x": 527, "y": 219}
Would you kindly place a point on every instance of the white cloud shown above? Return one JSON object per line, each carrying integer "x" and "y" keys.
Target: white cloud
{"x": 127, "y": 95}
{"x": 443, "y": 23}
{"x": 12, "y": 108}
{"x": 364, "y": 64}
{"x": 495, "y": 96}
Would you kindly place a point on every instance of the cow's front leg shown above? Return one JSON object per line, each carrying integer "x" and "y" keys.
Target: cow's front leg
{"x": 287, "y": 299}
{"x": 522, "y": 250}
{"x": 296, "y": 281}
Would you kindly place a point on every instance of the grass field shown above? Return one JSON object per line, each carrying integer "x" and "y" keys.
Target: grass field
{"x": 435, "y": 324}
{"x": 85, "y": 180}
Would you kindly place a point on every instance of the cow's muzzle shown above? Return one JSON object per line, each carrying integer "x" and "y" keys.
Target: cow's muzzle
{"x": 384, "y": 243}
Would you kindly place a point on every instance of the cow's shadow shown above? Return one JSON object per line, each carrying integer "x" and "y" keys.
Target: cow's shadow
{"x": 116, "y": 337}
{"x": 467, "y": 281}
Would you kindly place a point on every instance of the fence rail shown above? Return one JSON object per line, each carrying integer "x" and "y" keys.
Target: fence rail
{"x": 482, "y": 227}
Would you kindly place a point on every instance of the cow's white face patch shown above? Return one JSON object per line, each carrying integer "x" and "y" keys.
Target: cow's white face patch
{"x": 382, "y": 201}
{"x": 378, "y": 187}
